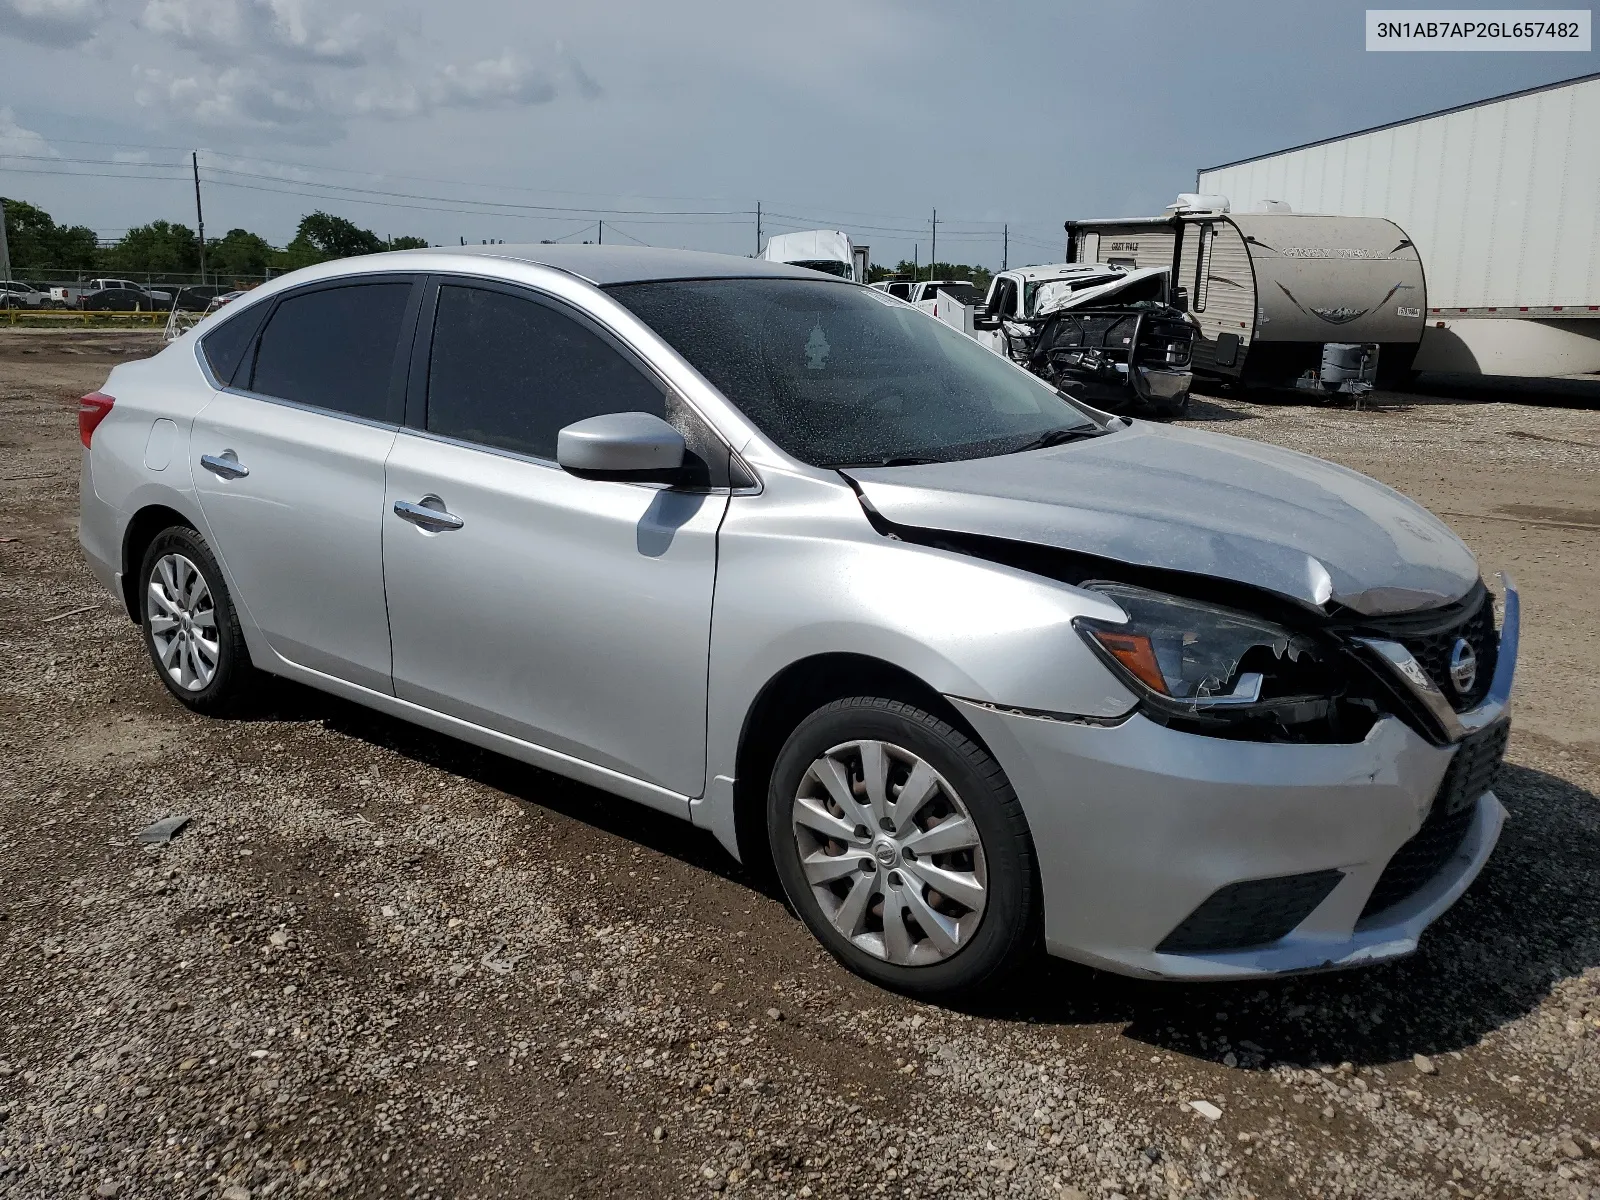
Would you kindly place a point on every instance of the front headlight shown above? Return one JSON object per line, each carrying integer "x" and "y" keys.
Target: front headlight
{"x": 1194, "y": 659}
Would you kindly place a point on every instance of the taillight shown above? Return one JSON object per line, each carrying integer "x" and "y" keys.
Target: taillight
{"x": 92, "y": 409}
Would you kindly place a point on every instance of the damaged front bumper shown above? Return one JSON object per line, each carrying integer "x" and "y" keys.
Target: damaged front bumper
{"x": 1169, "y": 854}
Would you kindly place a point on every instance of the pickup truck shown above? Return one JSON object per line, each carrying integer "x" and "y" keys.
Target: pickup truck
{"x": 1111, "y": 336}
{"x": 116, "y": 295}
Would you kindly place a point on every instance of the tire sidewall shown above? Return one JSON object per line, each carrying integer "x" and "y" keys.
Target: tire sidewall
{"x": 1008, "y": 918}
{"x": 217, "y": 694}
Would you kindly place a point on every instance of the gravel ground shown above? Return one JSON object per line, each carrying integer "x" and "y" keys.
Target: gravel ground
{"x": 380, "y": 963}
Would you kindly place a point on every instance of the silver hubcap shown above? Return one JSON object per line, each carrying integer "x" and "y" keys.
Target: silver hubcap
{"x": 183, "y": 623}
{"x": 891, "y": 853}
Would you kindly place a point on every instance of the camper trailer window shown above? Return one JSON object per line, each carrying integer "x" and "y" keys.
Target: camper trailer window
{"x": 1202, "y": 266}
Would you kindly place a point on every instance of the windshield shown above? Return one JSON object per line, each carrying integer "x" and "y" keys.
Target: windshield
{"x": 828, "y": 266}
{"x": 959, "y": 289}
{"x": 837, "y": 374}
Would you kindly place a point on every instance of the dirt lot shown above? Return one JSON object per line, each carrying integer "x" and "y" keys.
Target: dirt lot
{"x": 379, "y": 963}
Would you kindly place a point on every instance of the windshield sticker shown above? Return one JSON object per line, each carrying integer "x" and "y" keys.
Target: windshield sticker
{"x": 817, "y": 348}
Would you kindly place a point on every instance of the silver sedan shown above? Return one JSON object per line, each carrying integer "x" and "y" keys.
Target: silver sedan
{"x": 973, "y": 666}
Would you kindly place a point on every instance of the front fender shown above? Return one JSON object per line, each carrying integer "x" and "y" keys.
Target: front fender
{"x": 801, "y": 572}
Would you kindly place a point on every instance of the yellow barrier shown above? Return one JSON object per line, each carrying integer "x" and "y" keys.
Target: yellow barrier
{"x": 28, "y": 316}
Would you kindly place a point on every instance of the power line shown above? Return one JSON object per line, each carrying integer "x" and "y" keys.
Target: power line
{"x": 343, "y": 187}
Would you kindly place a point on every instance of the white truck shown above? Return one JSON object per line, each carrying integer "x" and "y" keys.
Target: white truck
{"x": 827, "y": 250}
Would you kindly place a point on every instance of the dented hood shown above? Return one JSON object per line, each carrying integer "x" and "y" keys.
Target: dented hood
{"x": 1154, "y": 496}
{"x": 1058, "y": 295}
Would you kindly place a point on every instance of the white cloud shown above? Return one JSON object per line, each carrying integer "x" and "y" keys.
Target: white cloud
{"x": 235, "y": 99}
{"x": 14, "y": 139}
{"x": 503, "y": 82}
{"x": 223, "y": 30}
{"x": 57, "y": 23}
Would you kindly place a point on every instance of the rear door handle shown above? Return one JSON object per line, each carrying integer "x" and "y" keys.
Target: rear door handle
{"x": 431, "y": 517}
{"x": 226, "y": 465}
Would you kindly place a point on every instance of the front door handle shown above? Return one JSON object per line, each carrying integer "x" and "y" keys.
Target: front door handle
{"x": 429, "y": 516}
{"x": 226, "y": 465}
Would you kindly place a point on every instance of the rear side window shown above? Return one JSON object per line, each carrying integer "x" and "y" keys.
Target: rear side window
{"x": 334, "y": 348}
{"x": 510, "y": 372}
{"x": 225, "y": 346}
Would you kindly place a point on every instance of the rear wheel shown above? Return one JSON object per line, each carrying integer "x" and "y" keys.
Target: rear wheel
{"x": 190, "y": 627}
{"x": 903, "y": 847}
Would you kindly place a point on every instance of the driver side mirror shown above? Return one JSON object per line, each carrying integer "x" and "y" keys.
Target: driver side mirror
{"x": 620, "y": 445}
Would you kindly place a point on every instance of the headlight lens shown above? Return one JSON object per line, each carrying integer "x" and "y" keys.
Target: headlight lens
{"x": 1191, "y": 657}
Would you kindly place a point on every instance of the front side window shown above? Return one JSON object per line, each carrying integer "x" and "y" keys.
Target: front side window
{"x": 839, "y": 375}
{"x": 511, "y": 372}
{"x": 333, "y": 348}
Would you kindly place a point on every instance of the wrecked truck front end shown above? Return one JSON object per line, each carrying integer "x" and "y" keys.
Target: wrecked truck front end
{"x": 1114, "y": 341}
{"x": 1123, "y": 356}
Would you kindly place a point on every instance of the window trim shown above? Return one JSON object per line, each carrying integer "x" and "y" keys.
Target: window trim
{"x": 404, "y": 341}
{"x": 421, "y": 361}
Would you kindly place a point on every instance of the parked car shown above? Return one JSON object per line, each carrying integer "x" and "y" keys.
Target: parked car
{"x": 16, "y": 293}
{"x": 900, "y": 289}
{"x": 928, "y": 290}
{"x": 971, "y": 663}
{"x": 116, "y": 295}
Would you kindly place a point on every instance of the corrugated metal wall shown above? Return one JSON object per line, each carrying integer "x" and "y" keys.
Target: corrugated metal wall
{"x": 1502, "y": 199}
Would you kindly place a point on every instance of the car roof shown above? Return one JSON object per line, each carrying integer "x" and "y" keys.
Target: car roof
{"x": 605, "y": 265}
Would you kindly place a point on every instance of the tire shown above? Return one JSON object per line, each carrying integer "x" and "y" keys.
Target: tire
{"x": 179, "y": 649}
{"x": 962, "y": 789}
{"x": 1171, "y": 410}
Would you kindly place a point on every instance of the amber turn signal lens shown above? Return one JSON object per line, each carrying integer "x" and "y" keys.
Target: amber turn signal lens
{"x": 1134, "y": 651}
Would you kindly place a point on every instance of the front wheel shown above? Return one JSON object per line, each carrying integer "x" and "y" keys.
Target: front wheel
{"x": 1169, "y": 410}
{"x": 190, "y": 627}
{"x": 903, "y": 847}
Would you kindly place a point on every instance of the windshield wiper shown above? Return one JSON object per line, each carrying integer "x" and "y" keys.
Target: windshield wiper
{"x": 898, "y": 460}
{"x": 1058, "y": 437}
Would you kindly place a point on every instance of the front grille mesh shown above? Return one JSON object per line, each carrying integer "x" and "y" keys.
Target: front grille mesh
{"x": 1431, "y": 645}
{"x": 1252, "y": 912}
{"x": 1472, "y": 773}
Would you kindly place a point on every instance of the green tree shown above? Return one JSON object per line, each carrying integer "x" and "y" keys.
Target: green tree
{"x": 408, "y": 243}
{"x": 239, "y": 254}
{"x": 40, "y": 247}
{"x": 322, "y": 236}
{"x": 159, "y": 248}
{"x": 906, "y": 269}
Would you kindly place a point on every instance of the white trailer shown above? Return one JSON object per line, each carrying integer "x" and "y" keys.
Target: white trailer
{"x": 1502, "y": 199}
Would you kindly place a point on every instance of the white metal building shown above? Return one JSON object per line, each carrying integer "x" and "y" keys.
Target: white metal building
{"x": 1501, "y": 198}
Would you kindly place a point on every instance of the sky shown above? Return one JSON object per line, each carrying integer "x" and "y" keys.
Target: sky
{"x": 519, "y": 120}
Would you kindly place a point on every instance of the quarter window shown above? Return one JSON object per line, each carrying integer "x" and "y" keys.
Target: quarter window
{"x": 334, "y": 348}
{"x": 511, "y": 372}
{"x": 225, "y": 346}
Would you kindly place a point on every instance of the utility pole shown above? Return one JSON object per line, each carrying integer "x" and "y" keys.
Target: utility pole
{"x": 199, "y": 216}
{"x": 5, "y": 248}
{"x": 600, "y": 239}
{"x": 1005, "y": 246}
{"x": 758, "y": 229}
{"x": 933, "y": 252}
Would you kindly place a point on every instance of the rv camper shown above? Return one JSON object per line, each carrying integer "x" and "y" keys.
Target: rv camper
{"x": 1281, "y": 299}
{"x": 826, "y": 250}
